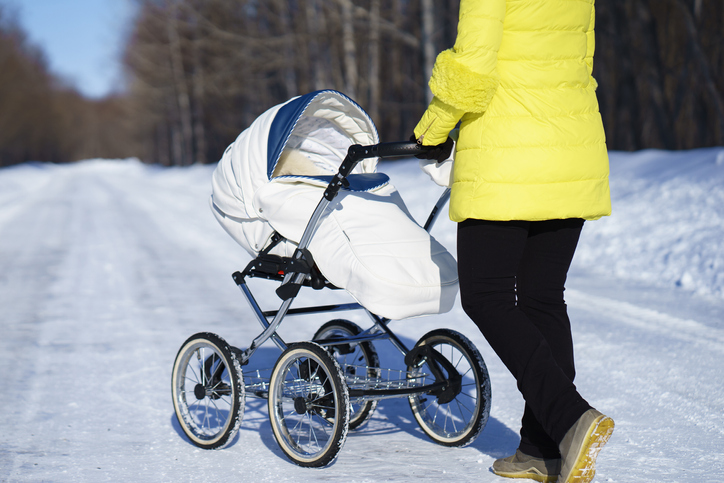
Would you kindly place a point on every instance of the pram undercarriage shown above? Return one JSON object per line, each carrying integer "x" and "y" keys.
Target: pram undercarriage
{"x": 319, "y": 389}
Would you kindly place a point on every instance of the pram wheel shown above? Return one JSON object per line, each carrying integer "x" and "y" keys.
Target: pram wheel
{"x": 208, "y": 390}
{"x": 308, "y": 405}
{"x": 359, "y": 361}
{"x": 458, "y": 420}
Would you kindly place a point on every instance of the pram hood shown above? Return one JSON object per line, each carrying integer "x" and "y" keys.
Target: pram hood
{"x": 323, "y": 123}
{"x": 272, "y": 177}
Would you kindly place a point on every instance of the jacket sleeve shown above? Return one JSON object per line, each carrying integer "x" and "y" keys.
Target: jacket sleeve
{"x": 464, "y": 78}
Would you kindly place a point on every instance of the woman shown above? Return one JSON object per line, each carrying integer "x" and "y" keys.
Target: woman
{"x": 531, "y": 165}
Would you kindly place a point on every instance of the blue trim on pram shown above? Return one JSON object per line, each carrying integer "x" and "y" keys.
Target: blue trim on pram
{"x": 282, "y": 126}
{"x": 285, "y": 120}
{"x": 357, "y": 182}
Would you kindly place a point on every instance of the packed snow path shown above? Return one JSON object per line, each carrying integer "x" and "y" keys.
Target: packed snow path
{"x": 106, "y": 267}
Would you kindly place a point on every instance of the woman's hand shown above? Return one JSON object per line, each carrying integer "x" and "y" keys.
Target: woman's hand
{"x": 439, "y": 153}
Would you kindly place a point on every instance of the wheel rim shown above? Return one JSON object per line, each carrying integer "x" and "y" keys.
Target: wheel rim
{"x": 451, "y": 421}
{"x": 306, "y": 407}
{"x": 204, "y": 395}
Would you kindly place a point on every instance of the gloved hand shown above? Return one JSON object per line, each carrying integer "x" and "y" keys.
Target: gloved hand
{"x": 439, "y": 153}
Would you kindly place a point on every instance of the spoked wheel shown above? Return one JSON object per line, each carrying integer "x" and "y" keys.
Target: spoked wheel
{"x": 458, "y": 415}
{"x": 308, "y": 405}
{"x": 358, "y": 361}
{"x": 208, "y": 390}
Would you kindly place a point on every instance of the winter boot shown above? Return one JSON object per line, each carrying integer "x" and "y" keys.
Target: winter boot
{"x": 581, "y": 445}
{"x": 520, "y": 465}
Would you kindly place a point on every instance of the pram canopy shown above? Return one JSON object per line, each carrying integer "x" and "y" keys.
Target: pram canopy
{"x": 272, "y": 178}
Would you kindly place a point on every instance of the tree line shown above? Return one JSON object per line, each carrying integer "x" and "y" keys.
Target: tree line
{"x": 660, "y": 69}
{"x": 41, "y": 117}
{"x": 204, "y": 69}
{"x": 200, "y": 71}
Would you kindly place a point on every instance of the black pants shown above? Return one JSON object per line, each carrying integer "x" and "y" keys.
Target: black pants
{"x": 512, "y": 276}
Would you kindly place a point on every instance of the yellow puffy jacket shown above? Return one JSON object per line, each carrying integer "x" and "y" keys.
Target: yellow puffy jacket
{"x": 531, "y": 144}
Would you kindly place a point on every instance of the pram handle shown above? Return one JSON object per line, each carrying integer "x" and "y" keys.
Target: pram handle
{"x": 357, "y": 153}
{"x": 403, "y": 148}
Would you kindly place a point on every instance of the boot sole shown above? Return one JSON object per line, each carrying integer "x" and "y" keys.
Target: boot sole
{"x": 531, "y": 474}
{"x": 584, "y": 469}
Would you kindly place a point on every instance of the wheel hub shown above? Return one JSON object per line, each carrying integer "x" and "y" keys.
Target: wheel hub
{"x": 300, "y": 405}
{"x": 200, "y": 391}
{"x": 452, "y": 388}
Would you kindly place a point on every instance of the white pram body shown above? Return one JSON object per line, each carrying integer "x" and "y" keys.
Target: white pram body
{"x": 274, "y": 175}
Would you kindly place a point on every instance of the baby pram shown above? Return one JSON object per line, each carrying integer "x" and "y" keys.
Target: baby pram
{"x": 299, "y": 191}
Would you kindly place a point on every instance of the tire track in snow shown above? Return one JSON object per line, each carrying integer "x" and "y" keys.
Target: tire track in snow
{"x": 650, "y": 376}
{"x": 22, "y": 185}
{"x": 686, "y": 330}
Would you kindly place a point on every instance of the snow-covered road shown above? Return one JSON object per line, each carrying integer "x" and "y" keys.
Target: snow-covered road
{"x": 106, "y": 267}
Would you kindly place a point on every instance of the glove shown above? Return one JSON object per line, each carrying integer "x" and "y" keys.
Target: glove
{"x": 439, "y": 153}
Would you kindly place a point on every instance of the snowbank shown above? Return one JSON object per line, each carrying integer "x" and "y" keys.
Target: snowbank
{"x": 667, "y": 227}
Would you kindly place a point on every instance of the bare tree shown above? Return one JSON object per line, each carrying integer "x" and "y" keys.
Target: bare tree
{"x": 315, "y": 26}
{"x": 374, "y": 69}
{"x": 702, "y": 63}
{"x": 350, "y": 48}
{"x": 183, "y": 132}
{"x": 198, "y": 91}
{"x": 428, "y": 45}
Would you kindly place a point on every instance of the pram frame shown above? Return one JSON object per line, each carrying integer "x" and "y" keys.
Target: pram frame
{"x": 299, "y": 270}
{"x": 293, "y": 281}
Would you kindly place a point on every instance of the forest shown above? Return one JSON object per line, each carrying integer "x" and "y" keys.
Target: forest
{"x": 199, "y": 71}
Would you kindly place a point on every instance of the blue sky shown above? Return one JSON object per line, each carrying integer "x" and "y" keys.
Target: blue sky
{"x": 82, "y": 39}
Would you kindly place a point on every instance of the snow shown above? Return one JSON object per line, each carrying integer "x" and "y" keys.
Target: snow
{"x": 107, "y": 266}
{"x": 668, "y": 220}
